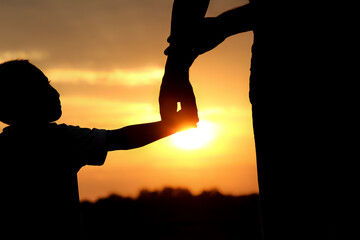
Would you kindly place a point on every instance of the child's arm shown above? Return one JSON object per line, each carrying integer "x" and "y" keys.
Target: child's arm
{"x": 136, "y": 136}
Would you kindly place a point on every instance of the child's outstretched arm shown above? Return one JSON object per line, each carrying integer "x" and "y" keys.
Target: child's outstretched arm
{"x": 139, "y": 135}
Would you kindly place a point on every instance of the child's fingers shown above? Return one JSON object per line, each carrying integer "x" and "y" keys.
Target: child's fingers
{"x": 190, "y": 110}
{"x": 185, "y": 121}
{"x": 189, "y": 113}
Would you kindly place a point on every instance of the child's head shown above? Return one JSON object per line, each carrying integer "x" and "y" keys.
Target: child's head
{"x": 26, "y": 95}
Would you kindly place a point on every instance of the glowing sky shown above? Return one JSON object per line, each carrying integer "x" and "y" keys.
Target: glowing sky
{"x": 106, "y": 59}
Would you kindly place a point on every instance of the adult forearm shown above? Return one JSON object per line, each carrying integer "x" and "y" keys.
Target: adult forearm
{"x": 236, "y": 21}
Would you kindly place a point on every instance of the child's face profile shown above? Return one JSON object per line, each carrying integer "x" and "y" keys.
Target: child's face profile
{"x": 29, "y": 97}
{"x": 46, "y": 103}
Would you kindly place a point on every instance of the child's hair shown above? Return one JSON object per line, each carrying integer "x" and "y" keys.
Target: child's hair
{"x": 19, "y": 84}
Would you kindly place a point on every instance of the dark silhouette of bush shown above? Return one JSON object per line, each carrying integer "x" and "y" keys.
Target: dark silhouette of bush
{"x": 172, "y": 213}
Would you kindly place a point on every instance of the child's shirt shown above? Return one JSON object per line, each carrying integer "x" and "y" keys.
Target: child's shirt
{"x": 39, "y": 166}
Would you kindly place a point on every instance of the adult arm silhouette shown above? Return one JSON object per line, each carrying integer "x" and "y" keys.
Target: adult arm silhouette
{"x": 191, "y": 35}
{"x": 214, "y": 30}
{"x": 187, "y": 16}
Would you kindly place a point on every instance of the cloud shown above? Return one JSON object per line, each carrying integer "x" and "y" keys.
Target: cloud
{"x": 146, "y": 76}
{"x": 33, "y": 54}
{"x": 105, "y": 113}
{"x": 90, "y": 34}
{"x": 87, "y": 34}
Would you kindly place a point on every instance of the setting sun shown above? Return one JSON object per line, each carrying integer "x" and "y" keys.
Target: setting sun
{"x": 196, "y": 137}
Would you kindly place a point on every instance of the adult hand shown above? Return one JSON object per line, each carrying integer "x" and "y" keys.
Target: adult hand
{"x": 176, "y": 88}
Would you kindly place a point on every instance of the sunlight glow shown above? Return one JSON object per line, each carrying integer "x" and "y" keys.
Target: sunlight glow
{"x": 196, "y": 137}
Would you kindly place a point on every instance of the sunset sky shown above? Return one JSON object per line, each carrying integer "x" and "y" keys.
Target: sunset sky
{"x": 105, "y": 57}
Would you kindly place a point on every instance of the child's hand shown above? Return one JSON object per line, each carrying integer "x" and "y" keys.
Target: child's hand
{"x": 182, "y": 121}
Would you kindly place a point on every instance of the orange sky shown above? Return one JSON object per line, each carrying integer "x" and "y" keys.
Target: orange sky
{"x": 106, "y": 60}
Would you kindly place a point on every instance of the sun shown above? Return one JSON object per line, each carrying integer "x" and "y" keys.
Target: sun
{"x": 196, "y": 137}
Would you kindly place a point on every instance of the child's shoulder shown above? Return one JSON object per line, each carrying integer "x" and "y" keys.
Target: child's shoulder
{"x": 58, "y": 127}
{"x": 51, "y": 130}
{"x": 76, "y": 132}
{"x": 35, "y": 129}
{"x": 65, "y": 129}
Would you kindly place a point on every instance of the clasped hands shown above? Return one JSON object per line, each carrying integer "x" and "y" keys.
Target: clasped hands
{"x": 176, "y": 87}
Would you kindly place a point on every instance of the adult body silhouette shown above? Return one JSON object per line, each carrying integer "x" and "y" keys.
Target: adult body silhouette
{"x": 292, "y": 111}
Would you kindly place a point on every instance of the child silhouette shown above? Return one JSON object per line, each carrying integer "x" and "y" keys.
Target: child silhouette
{"x": 40, "y": 159}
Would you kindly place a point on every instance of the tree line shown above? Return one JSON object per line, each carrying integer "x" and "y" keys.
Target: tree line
{"x": 172, "y": 213}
